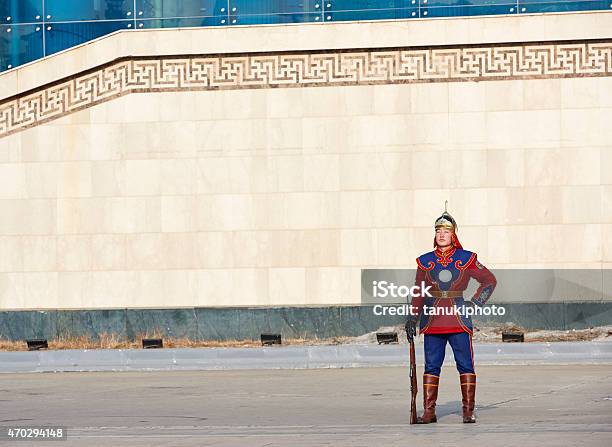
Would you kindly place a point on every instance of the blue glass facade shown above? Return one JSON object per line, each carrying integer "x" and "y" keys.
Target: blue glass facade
{"x": 31, "y": 29}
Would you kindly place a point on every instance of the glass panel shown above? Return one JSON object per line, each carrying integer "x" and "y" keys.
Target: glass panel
{"x": 372, "y": 14}
{"x": 20, "y": 11}
{"x": 360, "y": 5}
{"x": 60, "y": 36}
{"x": 458, "y": 8}
{"x": 20, "y": 44}
{"x": 528, "y": 6}
{"x": 183, "y": 23}
{"x": 183, "y": 8}
{"x": 273, "y": 7}
{"x": 574, "y": 3}
{"x": 65, "y": 10}
{"x": 465, "y": 3}
{"x": 254, "y": 19}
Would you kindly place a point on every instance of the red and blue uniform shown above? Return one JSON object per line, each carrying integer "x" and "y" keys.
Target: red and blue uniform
{"x": 443, "y": 317}
{"x": 448, "y": 273}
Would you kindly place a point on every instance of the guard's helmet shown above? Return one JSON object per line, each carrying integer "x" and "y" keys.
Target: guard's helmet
{"x": 446, "y": 221}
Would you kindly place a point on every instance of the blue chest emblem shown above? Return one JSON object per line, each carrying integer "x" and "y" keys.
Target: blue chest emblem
{"x": 445, "y": 270}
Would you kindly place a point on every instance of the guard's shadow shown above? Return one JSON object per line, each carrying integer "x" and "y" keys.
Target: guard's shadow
{"x": 454, "y": 407}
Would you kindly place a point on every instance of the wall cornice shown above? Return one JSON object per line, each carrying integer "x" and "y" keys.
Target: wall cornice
{"x": 298, "y": 69}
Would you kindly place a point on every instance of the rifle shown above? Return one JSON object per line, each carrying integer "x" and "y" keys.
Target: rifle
{"x": 413, "y": 382}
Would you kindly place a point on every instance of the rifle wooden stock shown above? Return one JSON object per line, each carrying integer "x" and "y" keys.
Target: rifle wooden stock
{"x": 413, "y": 383}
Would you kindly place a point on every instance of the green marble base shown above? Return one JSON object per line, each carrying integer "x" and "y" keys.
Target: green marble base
{"x": 247, "y": 323}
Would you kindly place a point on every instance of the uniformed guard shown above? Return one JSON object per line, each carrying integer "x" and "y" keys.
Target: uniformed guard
{"x": 443, "y": 315}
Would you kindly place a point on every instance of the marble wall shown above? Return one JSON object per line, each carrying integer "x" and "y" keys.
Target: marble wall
{"x": 279, "y": 196}
{"x": 272, "y": 197}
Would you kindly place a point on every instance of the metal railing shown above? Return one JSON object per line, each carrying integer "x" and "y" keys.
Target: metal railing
{"x": 31, "y": 29}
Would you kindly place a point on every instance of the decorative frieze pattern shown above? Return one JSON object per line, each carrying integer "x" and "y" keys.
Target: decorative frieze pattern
{"x": 303, "y": 69}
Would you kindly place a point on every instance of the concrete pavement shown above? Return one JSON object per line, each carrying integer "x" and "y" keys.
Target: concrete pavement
{"x": 528, "y": 405}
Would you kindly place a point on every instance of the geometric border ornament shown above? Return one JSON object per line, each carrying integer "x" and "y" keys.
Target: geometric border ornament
{"x": 133, "y": 74}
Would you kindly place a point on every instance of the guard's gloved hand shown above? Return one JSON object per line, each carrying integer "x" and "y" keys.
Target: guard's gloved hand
{"x": 410, "y": 326}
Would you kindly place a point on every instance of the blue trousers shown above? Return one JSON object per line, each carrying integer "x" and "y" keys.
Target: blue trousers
{"x": 435, "y": 347}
